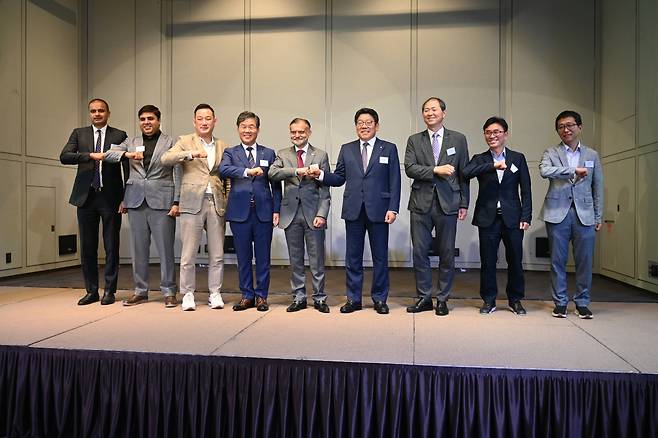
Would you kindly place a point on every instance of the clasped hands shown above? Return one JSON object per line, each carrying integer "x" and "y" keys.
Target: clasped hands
{"x": 311, "y": 172}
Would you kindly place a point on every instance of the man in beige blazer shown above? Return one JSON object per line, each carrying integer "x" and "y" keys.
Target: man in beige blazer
{"x": 202, "y": 204}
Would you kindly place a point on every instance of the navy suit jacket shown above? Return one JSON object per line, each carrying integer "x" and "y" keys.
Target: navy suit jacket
{"x": 266, "y": 194}
{"x": 516, "y": 179}
{"x": 378, "y": 188}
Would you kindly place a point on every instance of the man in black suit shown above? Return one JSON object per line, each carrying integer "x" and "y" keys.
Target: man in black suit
{"x": 500, "y": 214}
{"x": 97, "y": 192}
{"x": 435, "y": 160}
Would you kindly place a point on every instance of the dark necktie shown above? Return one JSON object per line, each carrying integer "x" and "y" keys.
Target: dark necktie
{"x": 96, "y": 181}
{"x": 364, "y": 156}
{"x": 250, "y": 157}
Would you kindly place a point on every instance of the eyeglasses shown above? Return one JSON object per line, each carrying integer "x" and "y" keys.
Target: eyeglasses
{"x": 367, "y": 123}
{"x": 495, "y": 132}
{"x": 564, "y": 126}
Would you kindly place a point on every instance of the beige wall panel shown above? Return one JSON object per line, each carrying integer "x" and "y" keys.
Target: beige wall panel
{"x": 552, "y": 70}
{"x": 61, "y": 178}
{"x": 647, "y": 200}
{"x": 371, "y": 67}
{"x": 208, "y": 63}
{"x": 40, "y": 225}
{"x": 617, "y": 238}
{"x": 11, "y": 220}
{"x": 52, "y": 76}
{"x": 617, "y": 77}
{"x": 148, "y": 57}
{"x": 287, "y": 75}
{"x": 10, "y": 76}
{"x": 111, "y": 56}
{"x": 648, "y": 73}
{"x": 459, "y": 61}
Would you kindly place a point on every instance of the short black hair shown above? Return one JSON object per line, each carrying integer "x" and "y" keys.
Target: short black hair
{"x": 495, "y": 119}
{"x": 368, "y": 111}
{"x": 203, "y": 106}
{"x": 244, "y": 115}
{"x": 149, "y": 109}
{"x": 442, "y": 104}
{"x": 98, "y": 99}
{"x": 299, "y": 119}
{"x": 569, "y": 113}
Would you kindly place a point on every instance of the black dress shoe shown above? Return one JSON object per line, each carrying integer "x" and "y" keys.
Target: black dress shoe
{"x": 381, "y": 307}
{"x": 517, "y": 307}
{"x": 261, "y": 304}
{"x": 108, "y": 298}
{"x": 88, "y": 299}
{"x": 441, "y": 308}
{"x": 321, "y": 306}
{"x": 488, "y": 307}
{"x": 422, "y": 305}
{"x": 296, "y": 306}
{"x": 350, "y": 306}
{"x": 244, "y": 304}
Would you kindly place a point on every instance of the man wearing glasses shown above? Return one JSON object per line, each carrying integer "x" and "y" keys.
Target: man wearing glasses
{"x": 435, "y": 159}
{"x": 500, "y": 213}
{"x": 572, "y": 211}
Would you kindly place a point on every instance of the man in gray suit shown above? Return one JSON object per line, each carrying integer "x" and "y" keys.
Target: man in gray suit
{"x": 151, "y": 198}
{"x": 572, "y": 211}
{"x": 435, "y": 159}
{"x": 304, "y": 210}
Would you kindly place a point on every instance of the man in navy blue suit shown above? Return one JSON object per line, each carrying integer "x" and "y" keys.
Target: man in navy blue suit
{"x": 500, "y": 213}
{"x": 370, "y": 169}
{"x": 252, "y": 209}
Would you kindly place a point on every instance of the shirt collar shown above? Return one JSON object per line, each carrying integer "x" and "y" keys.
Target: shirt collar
{"x": 568, "y": 149}
{"x": 245, "y": 147}
{"x": 103, "y": 129}
{"x": 441, "y": 131}
{"x": 371, "y": 142}
{"x": 305, "y": 148}
{"x": 208, "y": 145}
{"x": 501, "y": 156}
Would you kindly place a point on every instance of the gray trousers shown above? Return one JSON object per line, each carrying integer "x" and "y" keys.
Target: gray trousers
{"x": 192, "y": 226}
{"x": 298, "y": 233}
{"x": 445, "y": 226}
{"x": 147, "y": 223}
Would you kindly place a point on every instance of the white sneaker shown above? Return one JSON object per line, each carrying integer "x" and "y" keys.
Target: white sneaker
{"x": 188, "y": 301}
{"x": 215, "y": 301}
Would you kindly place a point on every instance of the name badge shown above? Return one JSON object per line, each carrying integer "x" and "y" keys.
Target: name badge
{"x": 140, "y": 149}
{"x": 513, "y": 168}
{"x": 589, "y": 163}
{"x": 451, "y": 151}
{"x": 264, "y": 163}
{"x": 383, "y": 160}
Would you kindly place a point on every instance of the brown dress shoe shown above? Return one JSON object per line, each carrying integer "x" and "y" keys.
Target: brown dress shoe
{"x": 261, "y": 304}
{"x": 171, "y": 301}
{"x": 135, "y": 300}
{"x": 244, "y": 304}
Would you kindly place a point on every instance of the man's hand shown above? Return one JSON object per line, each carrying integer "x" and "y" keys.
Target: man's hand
{"x": 581, "y": 172}
{"x": 302, "y": 171}
{"x": 174, "y": 211}
{"x": 96, "y": 156}
{"x": 500, "y": 165}
{"x": 275, "y": 218}
{"x": 445, "y": 170}
{"x": 319, "y": 222}
{"x": 313, "y": 172}
{"x": 461, "y": 215}
{"x": 134, "y": 155}
{"x": 199, "y": 154}
{"x": 255, "y": 171}
{"x": 122, "y": 208}
{"x": 390, "y": 217}
{"x": 524, "y": 226}
{"x": 597, "y": 227}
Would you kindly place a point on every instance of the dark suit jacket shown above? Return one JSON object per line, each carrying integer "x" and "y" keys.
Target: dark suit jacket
{"x": 266, "y": 195}
{"x": 77, "y": 150}
{"x": 453, "y": 192}
{"x": 514, "y": 209}
{"x": 378, "y": 188}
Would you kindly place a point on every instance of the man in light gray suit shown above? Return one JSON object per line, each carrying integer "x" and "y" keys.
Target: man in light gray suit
{"x": 435, "y": 159}
{"x": 151, "y": 198}
{"x": 572, "y": 211}
{"x": 304, "y": 210}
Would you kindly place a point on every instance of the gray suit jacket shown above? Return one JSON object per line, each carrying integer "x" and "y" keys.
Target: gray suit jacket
{"x": 454, "y": 191}
{"x": 313, "y": 195}
{"x": 197, "y": 174}
{"x": 159, "y": 186}
{"x": 585, "y": 193}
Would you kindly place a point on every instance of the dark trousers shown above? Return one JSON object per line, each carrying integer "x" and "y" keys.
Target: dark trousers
{"x": 355, "y": 234}
{"x": 490, "y": 238}
{"x": 253, "y": 237}
{"x": 97, "y": 208}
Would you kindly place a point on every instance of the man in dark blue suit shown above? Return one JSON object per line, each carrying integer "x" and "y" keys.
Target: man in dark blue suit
{"x": 252, "y": 209}
{"x": 370, "y": 169}
{"x": 500, "y": 213}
